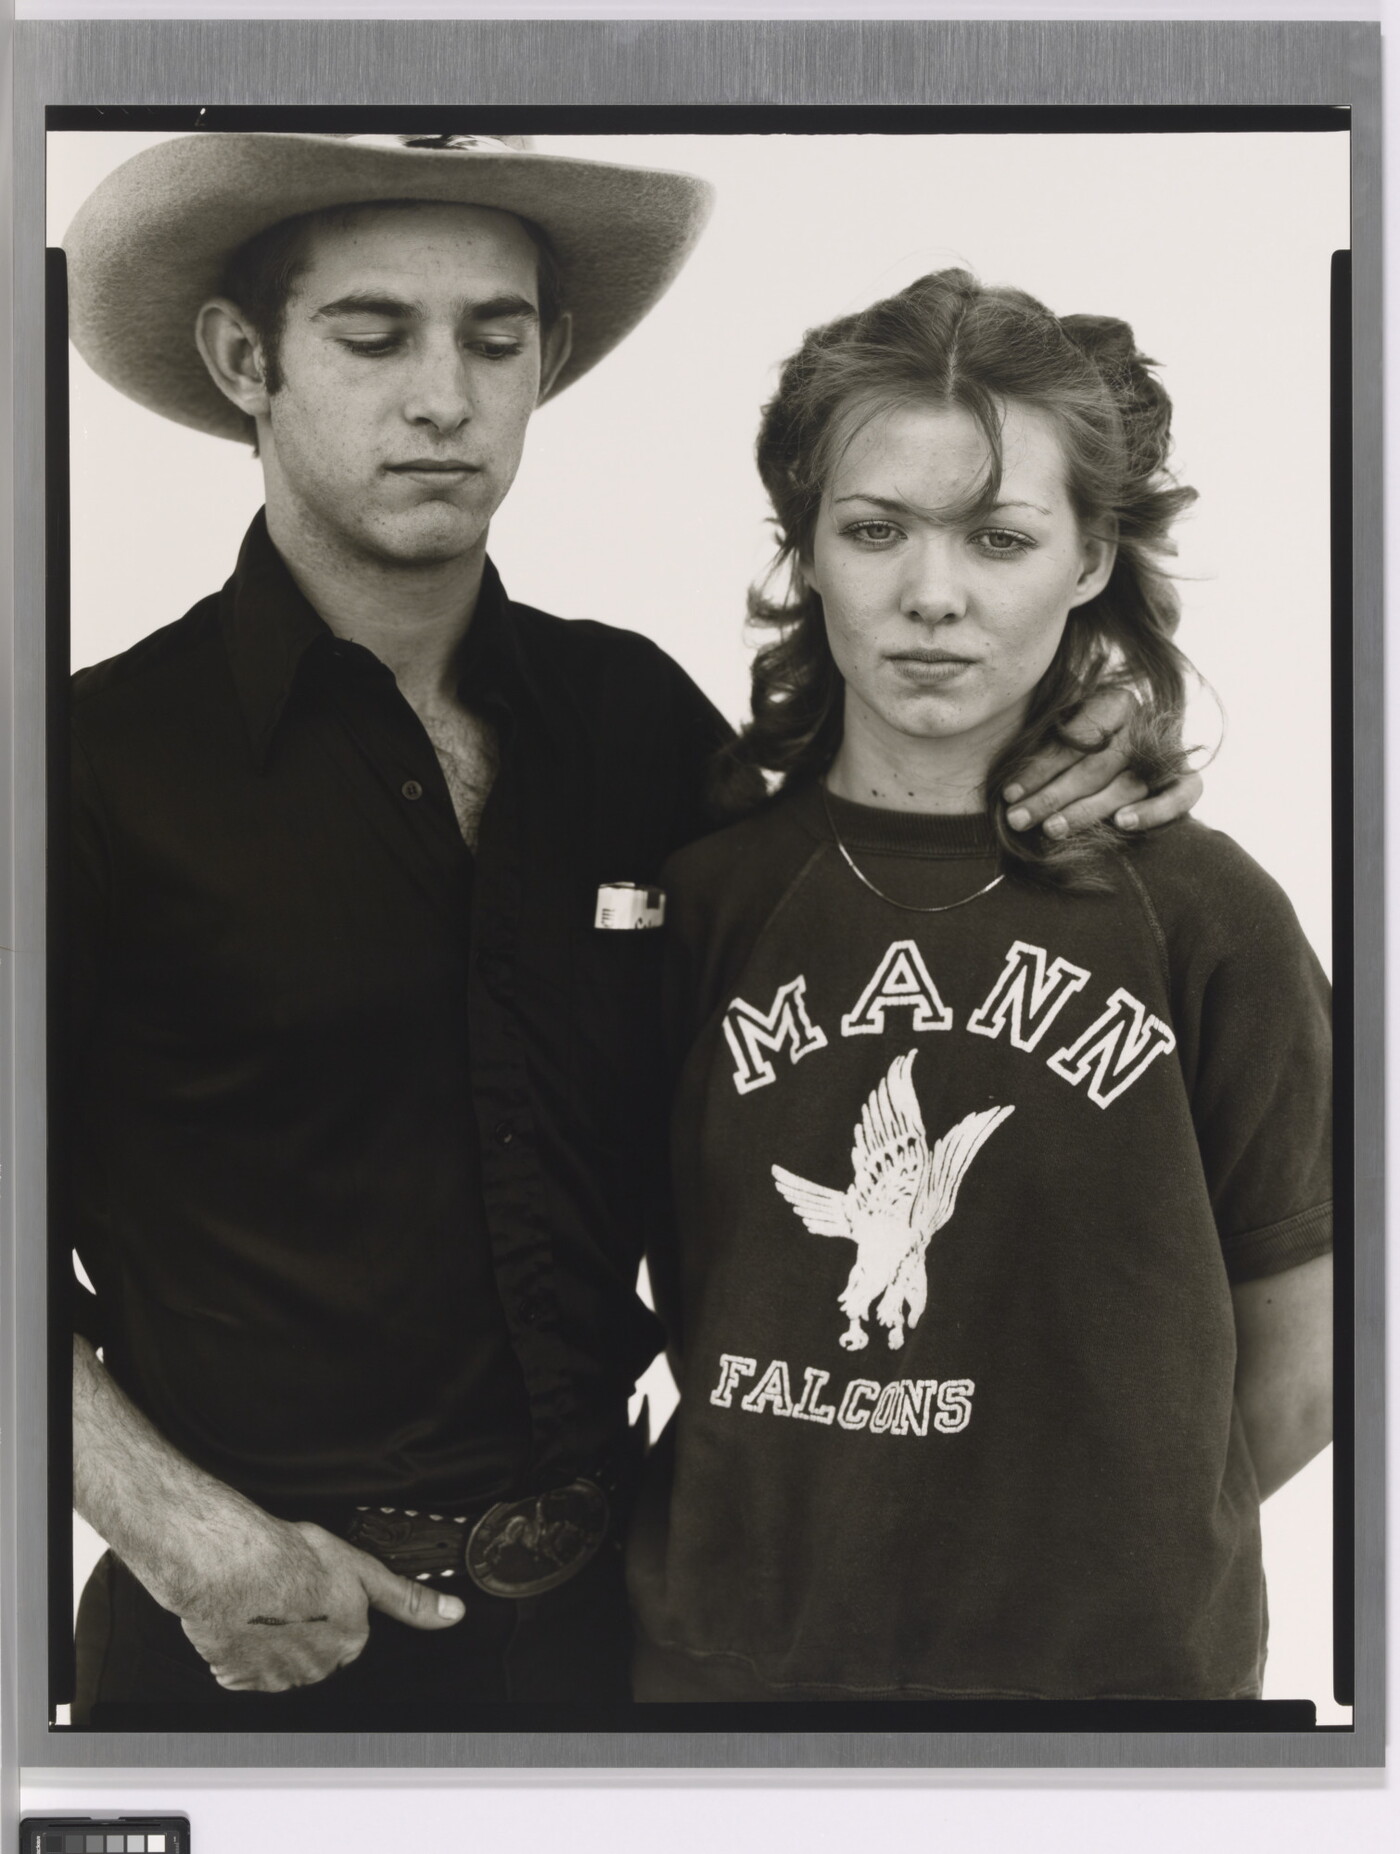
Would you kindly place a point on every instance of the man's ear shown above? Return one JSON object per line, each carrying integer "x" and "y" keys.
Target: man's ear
{"x": 230, "y": 349}
{"x": 555, "y": 349}
{"x": 1099, "y": 555}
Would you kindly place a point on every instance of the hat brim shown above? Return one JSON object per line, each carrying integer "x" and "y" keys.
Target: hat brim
{"x": 150, "y": 244}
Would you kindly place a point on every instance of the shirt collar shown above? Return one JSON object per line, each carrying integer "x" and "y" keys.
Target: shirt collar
{"x": 269, "y": 626}
{"x": 490, "y": 665}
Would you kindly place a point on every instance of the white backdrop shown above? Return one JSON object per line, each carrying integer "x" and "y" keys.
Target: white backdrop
{"x": 638, "y": 502}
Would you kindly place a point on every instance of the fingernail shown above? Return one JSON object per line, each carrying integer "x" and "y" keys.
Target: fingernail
{"x": 450, "y": 1608}
{"x": 1055, "y": 827}
{"x": 1012, "y": 792}
{"x": 1127, "y": 819}
{"x": 1018, "y": 819}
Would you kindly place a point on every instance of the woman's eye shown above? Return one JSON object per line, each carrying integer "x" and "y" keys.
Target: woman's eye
{"x": 1004, "y": 542}
{"x": 872, "y": 533}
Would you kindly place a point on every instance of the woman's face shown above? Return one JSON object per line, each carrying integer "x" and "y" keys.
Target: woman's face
{"x": 942, "y": 625}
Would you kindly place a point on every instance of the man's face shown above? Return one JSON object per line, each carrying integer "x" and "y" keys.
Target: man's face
{"x": 410, "y": 364}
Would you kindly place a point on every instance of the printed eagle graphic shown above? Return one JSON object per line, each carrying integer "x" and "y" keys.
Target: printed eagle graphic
{"x": 900, "y": 1195}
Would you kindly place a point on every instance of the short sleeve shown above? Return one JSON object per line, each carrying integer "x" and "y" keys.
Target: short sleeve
{"x": 1257, "y": 1008}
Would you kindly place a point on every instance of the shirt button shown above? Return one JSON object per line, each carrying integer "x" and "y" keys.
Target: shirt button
{"x": 504, "y": 1133}
{"x": 411, "y": 789}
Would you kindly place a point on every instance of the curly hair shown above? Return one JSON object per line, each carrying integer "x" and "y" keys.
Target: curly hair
{"x": 949, "y": 340}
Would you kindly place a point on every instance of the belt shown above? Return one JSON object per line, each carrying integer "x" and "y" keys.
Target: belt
{"x": 516, "y": 1548}
{"x": 510, "y": 1548}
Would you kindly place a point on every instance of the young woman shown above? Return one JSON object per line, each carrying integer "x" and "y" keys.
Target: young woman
{"x": 1001, "y": 1282}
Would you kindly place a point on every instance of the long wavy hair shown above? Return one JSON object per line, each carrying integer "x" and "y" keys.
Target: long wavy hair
{"x": 949, "y": 340}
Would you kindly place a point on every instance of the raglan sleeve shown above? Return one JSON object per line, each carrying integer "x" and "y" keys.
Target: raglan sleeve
{"x": 1258, "y": 1006}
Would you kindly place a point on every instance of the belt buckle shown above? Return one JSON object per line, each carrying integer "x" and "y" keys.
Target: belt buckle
{"x": 521, "y": 1548}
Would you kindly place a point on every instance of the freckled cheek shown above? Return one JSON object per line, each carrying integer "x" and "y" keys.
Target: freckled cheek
{"x": 511, "y": 430}
{"x": 852, "y": 638}
{"x": 1031, "y": 649}
{"x": 327, "y": 426}
{"x": 858, "y": 601}
{"x": 347, "y": 457}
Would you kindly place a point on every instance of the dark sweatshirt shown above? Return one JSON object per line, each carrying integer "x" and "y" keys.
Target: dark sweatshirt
{"x": 960, "y": 1200}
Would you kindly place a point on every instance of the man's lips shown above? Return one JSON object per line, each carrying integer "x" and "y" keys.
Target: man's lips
{"x": 433, "y": 466}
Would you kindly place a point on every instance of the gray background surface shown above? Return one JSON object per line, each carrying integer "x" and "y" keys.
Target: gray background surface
{"x": 538, "y": 63}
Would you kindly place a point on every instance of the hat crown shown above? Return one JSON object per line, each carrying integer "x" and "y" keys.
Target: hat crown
{"x": 151, "y": 245}
{"x": 447, "y": 144}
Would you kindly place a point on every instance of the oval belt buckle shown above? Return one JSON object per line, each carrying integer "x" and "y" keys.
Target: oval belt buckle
{"x": 521, "y": 1548}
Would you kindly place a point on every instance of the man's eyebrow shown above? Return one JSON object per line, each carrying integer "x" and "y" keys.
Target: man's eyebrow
{"x": 365, "y": 302}
{"x": 904, "y": 508}
{"x": 504, "y": 308}
{"x": 395, "y": 309}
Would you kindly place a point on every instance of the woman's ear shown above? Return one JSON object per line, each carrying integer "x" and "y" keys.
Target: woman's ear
{"x": 230, "y": 349}
{"x": 1097, "y": 558}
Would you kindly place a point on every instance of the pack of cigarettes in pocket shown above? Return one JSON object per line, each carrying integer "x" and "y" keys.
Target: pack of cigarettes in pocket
{"x": 628, "y": 905}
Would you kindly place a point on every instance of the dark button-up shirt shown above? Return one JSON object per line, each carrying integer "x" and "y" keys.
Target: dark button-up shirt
{"x": 365, "y": 1129}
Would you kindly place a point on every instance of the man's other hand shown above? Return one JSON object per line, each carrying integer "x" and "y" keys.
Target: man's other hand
{"x": 1063, "y": 790}
{"x": 270, "y": 1604}
{"x": 291, "y": 1605}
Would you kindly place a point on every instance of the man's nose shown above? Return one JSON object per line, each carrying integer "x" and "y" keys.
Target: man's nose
{"x": 440, "y": 389}
{"x": 934, "y": 588}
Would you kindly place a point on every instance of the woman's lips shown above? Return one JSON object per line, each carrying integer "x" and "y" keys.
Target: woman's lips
{"x": 929, "y": 667}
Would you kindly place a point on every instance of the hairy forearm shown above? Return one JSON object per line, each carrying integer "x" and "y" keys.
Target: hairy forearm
{"x": 163, "y": 1516}
{"x": 268, "y": 1603}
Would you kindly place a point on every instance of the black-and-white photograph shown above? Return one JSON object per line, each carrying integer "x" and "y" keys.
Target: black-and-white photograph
{"x": 696, "y": 1055}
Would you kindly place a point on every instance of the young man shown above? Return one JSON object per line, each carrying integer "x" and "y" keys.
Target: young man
{"x": 366, "y": 1117}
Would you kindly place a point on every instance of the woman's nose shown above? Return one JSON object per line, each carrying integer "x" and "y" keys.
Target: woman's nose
{"x": 935, "y": 585}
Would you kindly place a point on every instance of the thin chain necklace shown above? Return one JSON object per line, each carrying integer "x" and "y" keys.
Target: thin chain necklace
{"x": 907, "y": 906}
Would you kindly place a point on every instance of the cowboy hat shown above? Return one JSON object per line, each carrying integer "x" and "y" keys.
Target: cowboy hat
{"x": 150, "y": 245}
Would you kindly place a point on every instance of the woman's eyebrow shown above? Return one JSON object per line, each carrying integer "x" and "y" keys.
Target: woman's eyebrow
{"x": 879, "y": 502}
{"x": 897, "y": 507}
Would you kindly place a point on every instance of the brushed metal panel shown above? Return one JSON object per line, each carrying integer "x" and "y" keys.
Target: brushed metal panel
{"x": 712, "y": 61}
